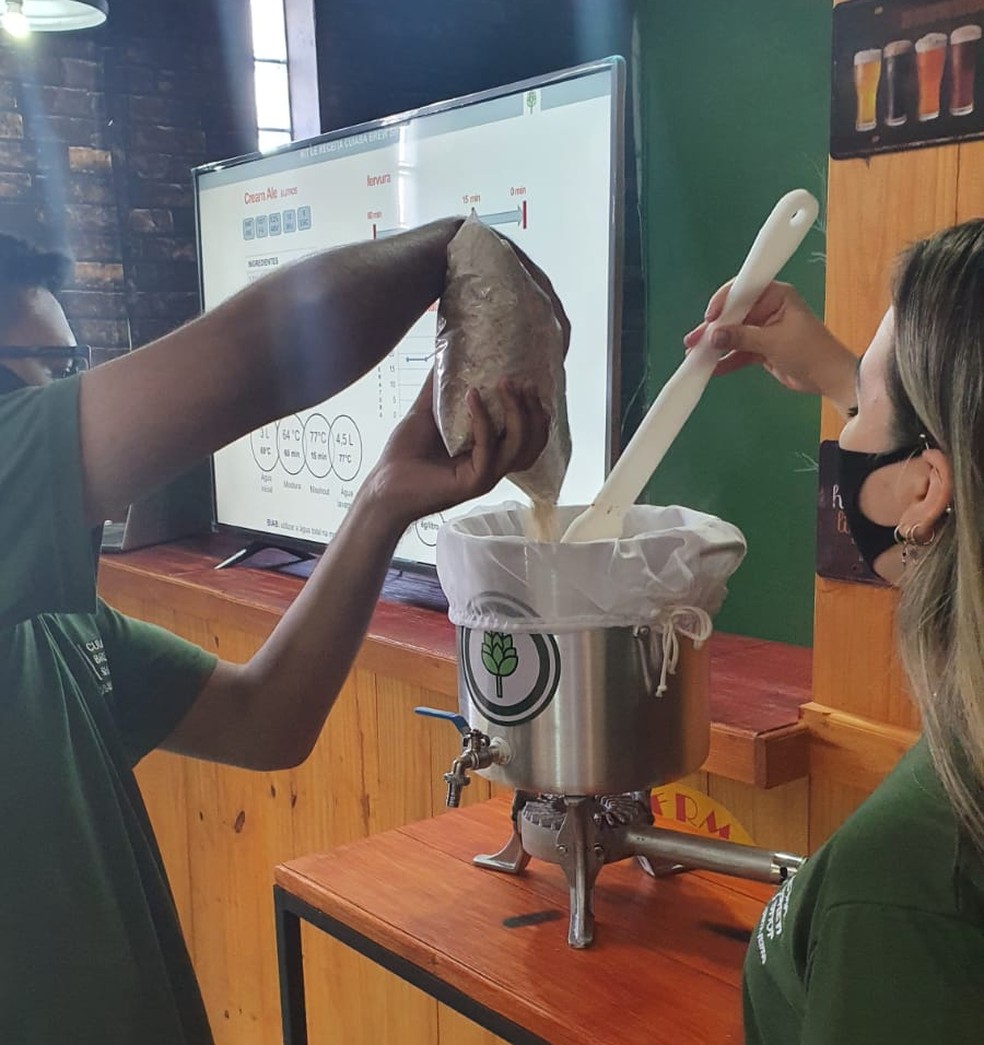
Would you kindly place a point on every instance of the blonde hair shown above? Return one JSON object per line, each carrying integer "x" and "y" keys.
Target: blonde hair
{"x": 936, "y": 384}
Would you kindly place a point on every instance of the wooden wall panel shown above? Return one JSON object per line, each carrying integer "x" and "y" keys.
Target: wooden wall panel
{"x": 855, "y": 663}
{"x": 239, "y": 824}
{"x": 970, "y": 181}
{"x": 454, "y": 1029}
{"x": 875, "y": 207}
{"x": 775, "y": 819}
{"x": 329, "y": 803}
{"x": 352, "y": 1001}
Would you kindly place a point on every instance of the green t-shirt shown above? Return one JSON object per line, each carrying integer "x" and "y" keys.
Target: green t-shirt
{"x": 91, "y": 952}
{"x": 879, "y": 940}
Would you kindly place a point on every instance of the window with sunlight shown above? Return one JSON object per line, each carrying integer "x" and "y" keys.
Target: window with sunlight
{"x": 270, "y": 71}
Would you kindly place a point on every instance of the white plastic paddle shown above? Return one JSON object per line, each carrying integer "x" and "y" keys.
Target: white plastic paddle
{"x": 775, "y": 244}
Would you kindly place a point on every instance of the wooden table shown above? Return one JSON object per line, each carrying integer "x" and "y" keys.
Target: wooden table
{"x": 665, "y": 967}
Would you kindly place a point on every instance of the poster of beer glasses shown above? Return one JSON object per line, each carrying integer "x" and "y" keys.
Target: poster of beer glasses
{"x": 905, "y": 75}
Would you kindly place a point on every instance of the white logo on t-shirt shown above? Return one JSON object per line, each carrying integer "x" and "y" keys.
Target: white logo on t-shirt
{"x": 773, "y": 919}
{"x": 95, "y": 657}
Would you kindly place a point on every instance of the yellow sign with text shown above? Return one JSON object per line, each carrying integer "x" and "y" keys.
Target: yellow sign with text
{"x": 684, "y": 809}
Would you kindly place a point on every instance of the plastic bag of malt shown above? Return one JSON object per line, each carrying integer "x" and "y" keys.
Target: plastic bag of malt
{"x": 500, "y": 317}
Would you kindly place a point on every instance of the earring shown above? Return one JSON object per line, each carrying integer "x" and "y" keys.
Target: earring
{"x": 910, "y": 543}
{"x": 903, "y": 539}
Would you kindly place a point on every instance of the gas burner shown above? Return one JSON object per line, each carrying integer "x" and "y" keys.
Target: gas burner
{"x": 581, "y": 834}
{"x": 622, "y": 810}
{"x": 546, "y": 811}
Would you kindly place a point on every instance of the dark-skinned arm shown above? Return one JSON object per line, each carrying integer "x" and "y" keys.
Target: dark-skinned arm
{"x": 268, "y": 713}
{"x": 286, "y": 342}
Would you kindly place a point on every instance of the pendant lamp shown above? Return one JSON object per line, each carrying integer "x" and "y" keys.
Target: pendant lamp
{"x": 20, "y": 17}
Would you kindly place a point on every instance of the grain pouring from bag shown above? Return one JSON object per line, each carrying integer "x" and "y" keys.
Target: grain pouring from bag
{"x": 495, "y": 320}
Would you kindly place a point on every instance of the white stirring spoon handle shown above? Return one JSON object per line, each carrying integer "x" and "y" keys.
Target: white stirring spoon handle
{"x": 774, "y": 245}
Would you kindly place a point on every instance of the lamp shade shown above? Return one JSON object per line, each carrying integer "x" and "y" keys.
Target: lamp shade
{"x": 52, "y": 16}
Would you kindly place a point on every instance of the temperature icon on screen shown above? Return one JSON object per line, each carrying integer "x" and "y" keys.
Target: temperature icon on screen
{"x": 263, "y": 443}
{"x": 317, "y": 446}
{"x": 290, "y": 444}
{"x": 346, "y": 448}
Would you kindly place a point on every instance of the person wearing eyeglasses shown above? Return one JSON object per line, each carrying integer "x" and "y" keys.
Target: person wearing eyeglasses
{"x": 51, "y": 361}
{"x": 90, "y": 946}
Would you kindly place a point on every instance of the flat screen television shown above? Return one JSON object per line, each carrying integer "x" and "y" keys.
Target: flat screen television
{"x": 541, "y": 161}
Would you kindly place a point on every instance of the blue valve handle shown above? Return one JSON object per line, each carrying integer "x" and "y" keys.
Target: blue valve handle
{"x": 458, "y": 721}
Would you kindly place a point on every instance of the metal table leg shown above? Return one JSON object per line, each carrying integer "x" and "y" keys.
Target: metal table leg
{"x": 291, "y": 969}
{"x": 290, "y": 910}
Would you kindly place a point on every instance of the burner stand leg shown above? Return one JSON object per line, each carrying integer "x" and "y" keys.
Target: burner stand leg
{"x": 512, "y": 858}
{"x": 581, "y": 858}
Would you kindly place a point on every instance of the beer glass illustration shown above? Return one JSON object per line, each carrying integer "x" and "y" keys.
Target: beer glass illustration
{"x": 867, "y": 73}
{"x": 963, "y": 66}
{"x": 930, "y": 59}
{"x": 900, "y": 77}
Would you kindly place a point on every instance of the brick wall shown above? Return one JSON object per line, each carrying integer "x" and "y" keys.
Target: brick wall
{"x": 98, "y": 132}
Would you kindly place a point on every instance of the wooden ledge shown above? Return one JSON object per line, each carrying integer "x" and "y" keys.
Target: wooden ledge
{"x": 853, "y": 750}
{"x": 757, "y": 687}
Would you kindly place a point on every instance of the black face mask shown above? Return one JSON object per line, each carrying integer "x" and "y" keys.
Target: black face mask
{"x": 9, "y": 381}
{"x": 870, "y": 538}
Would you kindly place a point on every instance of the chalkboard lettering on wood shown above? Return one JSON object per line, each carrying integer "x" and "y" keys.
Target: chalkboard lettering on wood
{"x": 837, "y": 556}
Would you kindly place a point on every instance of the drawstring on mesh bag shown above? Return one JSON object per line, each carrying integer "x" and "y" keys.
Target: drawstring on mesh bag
{"x": 689, "y": 621}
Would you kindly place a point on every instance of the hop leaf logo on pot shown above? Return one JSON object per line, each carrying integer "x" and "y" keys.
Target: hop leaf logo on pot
{"x": 499, "y": 657}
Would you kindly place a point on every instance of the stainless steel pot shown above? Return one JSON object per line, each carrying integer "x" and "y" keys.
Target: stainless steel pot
{"x": 579, "y": 713}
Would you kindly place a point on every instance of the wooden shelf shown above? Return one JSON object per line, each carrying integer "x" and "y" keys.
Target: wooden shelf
{"x": 757, "y": 687}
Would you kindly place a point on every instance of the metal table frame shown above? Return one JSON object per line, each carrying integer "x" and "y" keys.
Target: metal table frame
{"x": 289, "y": 910}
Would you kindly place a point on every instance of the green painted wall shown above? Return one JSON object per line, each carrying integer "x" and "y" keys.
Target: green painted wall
{"x": 734, "y": 108}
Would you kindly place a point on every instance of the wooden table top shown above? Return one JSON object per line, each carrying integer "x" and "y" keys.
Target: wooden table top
{"x": 664, "y": 968}
{"x": 757, "y": 687}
